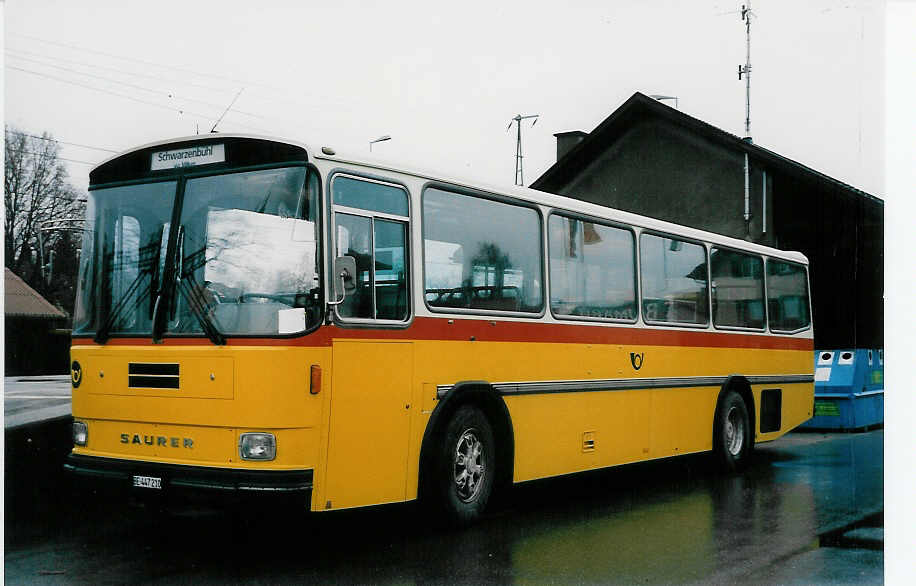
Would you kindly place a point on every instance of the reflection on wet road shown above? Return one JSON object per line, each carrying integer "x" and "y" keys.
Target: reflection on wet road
{"x": 670, "y": 521}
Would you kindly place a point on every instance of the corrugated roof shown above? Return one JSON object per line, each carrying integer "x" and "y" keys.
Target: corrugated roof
{"x": 637, "y": 107}
{"x": 20, "y": 300}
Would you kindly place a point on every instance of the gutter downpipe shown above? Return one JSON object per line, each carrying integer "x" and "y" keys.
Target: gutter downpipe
{"x": 747, "y": 193}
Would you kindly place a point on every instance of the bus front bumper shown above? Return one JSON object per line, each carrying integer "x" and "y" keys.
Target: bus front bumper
{"x": 152, "y": 478}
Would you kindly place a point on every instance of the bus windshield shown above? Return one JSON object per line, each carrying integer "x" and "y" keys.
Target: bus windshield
{"x": 243, "y": 259}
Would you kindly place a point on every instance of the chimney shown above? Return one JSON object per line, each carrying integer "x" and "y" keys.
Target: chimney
{"x": 567, "y": 140}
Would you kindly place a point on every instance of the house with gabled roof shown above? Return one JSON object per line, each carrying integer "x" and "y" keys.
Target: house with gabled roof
{"x": 652, "y": 159}
{"x": 37, "y": 341}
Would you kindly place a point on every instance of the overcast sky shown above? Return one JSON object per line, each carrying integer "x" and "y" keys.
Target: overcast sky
{"x": 444, "y": 79}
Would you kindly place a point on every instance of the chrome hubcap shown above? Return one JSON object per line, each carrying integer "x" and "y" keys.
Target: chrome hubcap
{"x": 734, "y": 432}
{"x": 468, "y": 468}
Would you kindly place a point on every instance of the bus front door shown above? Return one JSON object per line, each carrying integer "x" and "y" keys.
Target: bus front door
{"x": 369, "y": 423}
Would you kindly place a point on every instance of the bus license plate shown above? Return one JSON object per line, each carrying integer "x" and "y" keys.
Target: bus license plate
{"x": 148, "y": 482}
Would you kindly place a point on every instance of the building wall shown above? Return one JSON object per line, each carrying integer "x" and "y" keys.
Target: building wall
{"x": 657, "y": 169}
{"x": 33, "y": 347}
{"x": 843, "y": 236}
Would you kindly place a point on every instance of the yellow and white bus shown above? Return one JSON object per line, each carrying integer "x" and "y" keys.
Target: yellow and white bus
{"x": 257, "y": 316}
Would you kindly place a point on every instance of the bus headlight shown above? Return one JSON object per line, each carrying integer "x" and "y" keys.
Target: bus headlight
{"x": 257, "y": 446}
{"x": 80, "y": 433}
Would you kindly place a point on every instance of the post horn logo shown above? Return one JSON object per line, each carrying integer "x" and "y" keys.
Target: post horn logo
{"x": 637, "y": 359}
{"x": 76, "y": 374}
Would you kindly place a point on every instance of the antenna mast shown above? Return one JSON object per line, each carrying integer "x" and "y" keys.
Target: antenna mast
{"x": 519, "y": 174}
{"x": 745, "y": 69}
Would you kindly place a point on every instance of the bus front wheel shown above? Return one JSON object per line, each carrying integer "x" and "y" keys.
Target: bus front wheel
{"x": 465, "y": 466}
{"x": 732, "y": 439}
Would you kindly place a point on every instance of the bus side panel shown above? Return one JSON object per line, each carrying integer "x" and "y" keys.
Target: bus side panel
{"x": 797, "y": 407}
{"x": 571, "y": 432}
{"x": 559, "y": 433}
{"x": 682, "y": 420}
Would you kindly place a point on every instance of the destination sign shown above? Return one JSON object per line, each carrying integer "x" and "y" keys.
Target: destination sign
{"x": 189, "y": 157}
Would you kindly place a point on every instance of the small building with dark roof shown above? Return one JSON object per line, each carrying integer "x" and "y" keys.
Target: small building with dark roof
{"x": 651, "y": 159}
{"x": 36, "y": 341}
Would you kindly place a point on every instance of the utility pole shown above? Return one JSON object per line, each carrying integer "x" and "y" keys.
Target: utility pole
{"x": 519, "y": 174}
{"x": 745, "y": 70}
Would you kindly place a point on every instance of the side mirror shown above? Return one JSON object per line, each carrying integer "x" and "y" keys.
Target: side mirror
{"x": 343, "y": 278}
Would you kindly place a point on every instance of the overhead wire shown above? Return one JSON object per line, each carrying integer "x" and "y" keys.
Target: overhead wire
{"x": 273, "y": 94}
{"x": 141, "y": 61}
{"x": 85, "y": 146}
{"x": 51, "y": 156}
{"x": 252, "y": 86}
{"x": 132, "y": 98}
{"x": 123, "y": 71}
{"x": 153, "y": 91}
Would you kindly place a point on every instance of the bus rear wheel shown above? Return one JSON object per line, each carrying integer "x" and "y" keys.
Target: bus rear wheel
{"x": 465, "y": 466}
{"x": 732, "y": 439}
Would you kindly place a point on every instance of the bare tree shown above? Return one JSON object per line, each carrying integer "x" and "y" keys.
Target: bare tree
{"x": 36, "y": 191}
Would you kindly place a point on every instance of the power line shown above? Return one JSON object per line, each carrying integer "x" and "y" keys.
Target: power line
{"x": 157, "y": 92}
{"x": 142, "y": 61}
{"x": 122, "y": 71}
{"x": 104, "y": 91}
{"x": 246, "y": 83}
{"x": 131, "y": 98}
{"x": 273, "y": 97}
{"x": 85, "y": 146}
{"x": 51, "y": 156}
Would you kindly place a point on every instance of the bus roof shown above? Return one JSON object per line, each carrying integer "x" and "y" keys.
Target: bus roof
{"x": 522, "y": 193}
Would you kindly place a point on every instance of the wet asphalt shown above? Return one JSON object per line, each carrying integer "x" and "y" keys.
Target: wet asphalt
{"x": 792, "y": 517}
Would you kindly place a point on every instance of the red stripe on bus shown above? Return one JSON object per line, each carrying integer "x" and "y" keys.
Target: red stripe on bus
{"x": 482, "y": 330}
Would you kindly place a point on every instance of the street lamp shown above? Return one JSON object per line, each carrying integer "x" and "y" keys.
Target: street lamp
{"x": 379, "y": 139}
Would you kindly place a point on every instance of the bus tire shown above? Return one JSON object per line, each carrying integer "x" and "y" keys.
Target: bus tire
{"x": 732, "y": 439}
{"x": 465, "y": 466}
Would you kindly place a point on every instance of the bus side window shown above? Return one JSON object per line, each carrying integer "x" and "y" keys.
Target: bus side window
{"x": 481, "y": 254}
{"x": 378, "y": 244}
{"x": 737, "y": 289}
{"x": 353, "y": 239}
{"x": 787, "y": 296}
{"x": 592, "y": 270}
{"x": 674, "y": 280}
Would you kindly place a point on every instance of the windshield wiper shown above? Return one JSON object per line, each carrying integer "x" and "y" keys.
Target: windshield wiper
{"x": 104, "y": 331}
{"x": 147, "y": 267}
{"x": 183, "y": 284}
{"x": 193, "y": 293}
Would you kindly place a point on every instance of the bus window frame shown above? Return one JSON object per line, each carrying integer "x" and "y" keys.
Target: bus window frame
{"x": 181, "y": 178}
{"x": 635, "y": 258}
{"x": 332, "y": 315}
{"x": 766, "y": 289}
{"x": 480, "y": 194}
{"x": 766, "y": 309}
{"x": 705, "y": 246}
